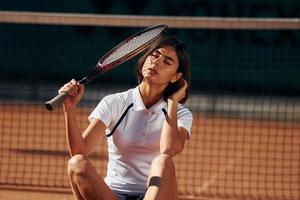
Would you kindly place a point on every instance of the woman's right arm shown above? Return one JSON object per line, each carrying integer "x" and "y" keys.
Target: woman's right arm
{"x": 78, "y": 142}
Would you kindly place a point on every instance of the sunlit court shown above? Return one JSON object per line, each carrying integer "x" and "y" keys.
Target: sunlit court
{"x": 244, "y": 93}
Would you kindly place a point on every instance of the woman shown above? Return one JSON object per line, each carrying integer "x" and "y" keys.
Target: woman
{"x": 145, "y": 126}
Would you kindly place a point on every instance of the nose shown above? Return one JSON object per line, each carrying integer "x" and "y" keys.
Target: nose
{"x": 157, "y": 60}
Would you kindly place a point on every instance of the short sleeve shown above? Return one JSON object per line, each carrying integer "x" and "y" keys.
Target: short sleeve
{"x": 105, "y": 110}
{"x": 185, "y": 118}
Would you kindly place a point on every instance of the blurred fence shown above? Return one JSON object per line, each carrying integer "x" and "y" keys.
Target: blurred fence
{"x": 245, "y": 141}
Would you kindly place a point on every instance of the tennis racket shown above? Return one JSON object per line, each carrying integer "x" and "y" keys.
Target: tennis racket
{"x": 123, "y": 52}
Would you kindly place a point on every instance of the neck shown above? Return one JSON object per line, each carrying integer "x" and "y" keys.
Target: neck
{"x": 150, "y": 94}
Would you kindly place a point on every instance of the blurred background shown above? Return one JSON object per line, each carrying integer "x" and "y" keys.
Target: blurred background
{"x": 245, "y": 92}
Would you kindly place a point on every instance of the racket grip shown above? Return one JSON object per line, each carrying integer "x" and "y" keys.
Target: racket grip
{"x": 53, "y": 103}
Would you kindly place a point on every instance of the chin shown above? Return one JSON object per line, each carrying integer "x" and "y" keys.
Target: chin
{"x": 153, "y": 82}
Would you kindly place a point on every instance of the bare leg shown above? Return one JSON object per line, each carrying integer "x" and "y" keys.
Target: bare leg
{"x": 85, "y": 182}
{"x": 162, "y": 182}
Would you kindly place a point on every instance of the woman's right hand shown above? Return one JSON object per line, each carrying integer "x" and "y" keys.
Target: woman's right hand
{"x": 75, "y": 92}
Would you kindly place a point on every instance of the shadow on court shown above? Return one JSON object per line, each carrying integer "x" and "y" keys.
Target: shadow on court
{"x": 226, "y": 158}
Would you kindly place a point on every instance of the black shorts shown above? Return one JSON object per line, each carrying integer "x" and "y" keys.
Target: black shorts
{"x": 124, "y": 196}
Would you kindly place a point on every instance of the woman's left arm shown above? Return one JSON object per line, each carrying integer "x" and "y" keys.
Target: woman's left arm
{"x": 173, "y": 137}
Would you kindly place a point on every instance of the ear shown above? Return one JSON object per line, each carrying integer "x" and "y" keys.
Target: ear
{"x": 177, "y": 77}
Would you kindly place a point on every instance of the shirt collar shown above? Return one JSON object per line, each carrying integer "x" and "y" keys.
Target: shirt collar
{"x": 138, "y": 103}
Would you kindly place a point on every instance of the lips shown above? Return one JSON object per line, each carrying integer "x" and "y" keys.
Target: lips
{"x": 152, "y": 71}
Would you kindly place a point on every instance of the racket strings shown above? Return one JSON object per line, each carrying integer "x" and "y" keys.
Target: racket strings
{"x": 132, "y": 45}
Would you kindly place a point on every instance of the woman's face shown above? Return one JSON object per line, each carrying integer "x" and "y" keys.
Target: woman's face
{"x": 160, "y": 67}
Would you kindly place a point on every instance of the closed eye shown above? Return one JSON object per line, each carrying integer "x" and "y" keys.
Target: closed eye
{"x": 168, "y": 60}
{"x": 155, "y": 54}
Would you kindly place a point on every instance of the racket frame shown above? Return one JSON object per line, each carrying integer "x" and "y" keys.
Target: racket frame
{"x": 102, "y": 68}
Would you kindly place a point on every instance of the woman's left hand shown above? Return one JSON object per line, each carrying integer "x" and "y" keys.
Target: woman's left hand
{"x": 181, "y": 92}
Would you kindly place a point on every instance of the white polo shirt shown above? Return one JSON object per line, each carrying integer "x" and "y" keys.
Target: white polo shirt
{"x": 135, "y": 141}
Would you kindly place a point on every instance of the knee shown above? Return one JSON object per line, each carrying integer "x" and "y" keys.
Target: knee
{"x": 78, "y": 164}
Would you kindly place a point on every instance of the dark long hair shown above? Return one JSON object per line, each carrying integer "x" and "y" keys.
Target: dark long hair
{"x": 184, "y": 64}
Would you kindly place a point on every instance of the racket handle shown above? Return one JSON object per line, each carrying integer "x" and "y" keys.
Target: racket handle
{"x": 53, "y": 103}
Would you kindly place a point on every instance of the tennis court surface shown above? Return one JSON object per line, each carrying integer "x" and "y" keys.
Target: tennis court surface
{"x": 225, "y": 157}
{"x": 245, "y": 87}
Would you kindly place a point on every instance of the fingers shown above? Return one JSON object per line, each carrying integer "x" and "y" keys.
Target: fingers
{"x": 182, "y": 84}
{"x": 184, "y": 87}
{"x": 73, "y": 88}
{"x": 181, "y": 92}
{"x": 185, "y": 83}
